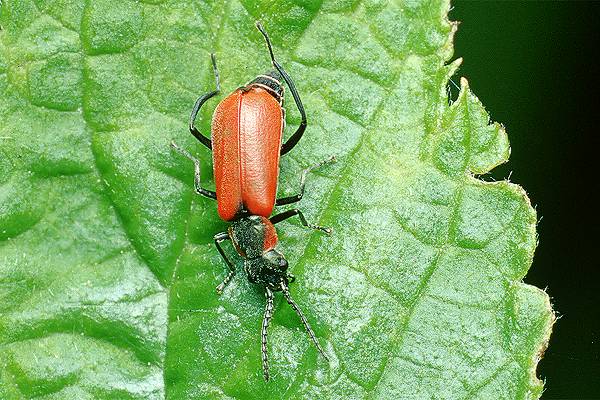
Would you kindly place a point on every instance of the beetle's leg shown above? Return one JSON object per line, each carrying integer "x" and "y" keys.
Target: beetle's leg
{"x": 201, "y": 100}
{"x": 291, "y": 278}
{"x": 293, "y": 140}
{"x": 290, "y": 213}
{"x": 293, "y": 199}
{"x": 197, "y": 184}
{"x": 263, "y": 335}
{"x": 220, "y": 237}
{"x": 288, "y": 297}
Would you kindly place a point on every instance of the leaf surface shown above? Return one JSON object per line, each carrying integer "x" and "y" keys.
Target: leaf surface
{"x": 107, "y": 267}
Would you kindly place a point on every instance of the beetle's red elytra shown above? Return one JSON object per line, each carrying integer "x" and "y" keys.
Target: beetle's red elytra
{"x": 247, "y": 142}
{"x": 247, "y": 129}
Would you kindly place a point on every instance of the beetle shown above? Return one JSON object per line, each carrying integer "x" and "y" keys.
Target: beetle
{"x": 247, "y": 142}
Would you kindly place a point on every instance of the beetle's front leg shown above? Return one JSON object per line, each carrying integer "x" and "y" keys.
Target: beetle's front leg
{"x": 220, "y": 237}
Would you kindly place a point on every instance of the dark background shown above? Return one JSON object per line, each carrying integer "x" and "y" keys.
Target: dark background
{"x": 532, "y": 65}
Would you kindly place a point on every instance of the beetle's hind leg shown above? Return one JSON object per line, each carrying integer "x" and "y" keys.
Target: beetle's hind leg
{"x": 292, "y": 140}
{"x": 201, "y": 100}
{"x": 197, "y": 184}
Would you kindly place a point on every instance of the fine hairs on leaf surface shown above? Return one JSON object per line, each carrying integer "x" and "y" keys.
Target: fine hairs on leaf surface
{"x": 107, "y": 267}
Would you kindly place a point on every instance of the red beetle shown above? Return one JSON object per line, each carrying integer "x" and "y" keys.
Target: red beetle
{"x": 246, "y": 141}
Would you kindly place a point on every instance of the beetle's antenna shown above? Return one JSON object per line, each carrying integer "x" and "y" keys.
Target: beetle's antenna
{"x": 265, "y": 326}
{"x": 288, "y": 297}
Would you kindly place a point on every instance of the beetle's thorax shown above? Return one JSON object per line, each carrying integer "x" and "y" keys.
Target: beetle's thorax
{"x": 253, "y": 236}
{"x": 271, "y": 82}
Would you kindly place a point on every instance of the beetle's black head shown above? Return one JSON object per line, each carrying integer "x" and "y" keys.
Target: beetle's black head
{"x": 271, "y": 81}
{"x": 270, "y": 270}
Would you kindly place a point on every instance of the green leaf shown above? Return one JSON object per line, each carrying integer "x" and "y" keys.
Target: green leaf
{"x": 107, "y": 267}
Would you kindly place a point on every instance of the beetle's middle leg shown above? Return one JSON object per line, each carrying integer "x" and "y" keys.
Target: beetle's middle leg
{"x": 220, "y": 237}
{"x": 297, "y": 197}
{"x": 197, "y": 184}
{"x": 291, "y": 213}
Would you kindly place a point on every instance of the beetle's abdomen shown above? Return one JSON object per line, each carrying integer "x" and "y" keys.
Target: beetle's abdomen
{"x": 246, "y": 134}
